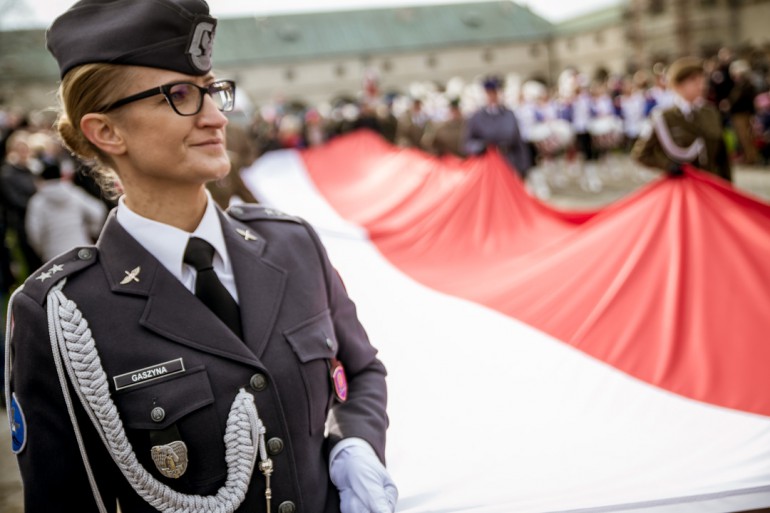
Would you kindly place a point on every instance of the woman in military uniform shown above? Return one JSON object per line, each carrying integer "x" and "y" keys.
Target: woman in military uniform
{"x": 194, "y": 359}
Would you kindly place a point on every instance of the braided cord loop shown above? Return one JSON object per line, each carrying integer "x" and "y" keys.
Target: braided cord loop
{"x": 244, "y": 433}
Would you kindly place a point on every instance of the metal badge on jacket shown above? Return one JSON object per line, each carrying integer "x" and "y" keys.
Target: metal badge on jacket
{"x": 170, "y": 459}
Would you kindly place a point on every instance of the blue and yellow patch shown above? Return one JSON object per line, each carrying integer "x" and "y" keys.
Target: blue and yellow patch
{"x": 18, "y": 426}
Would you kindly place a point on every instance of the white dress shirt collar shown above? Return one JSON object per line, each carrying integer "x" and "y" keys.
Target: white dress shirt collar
{"x": 167, "y": 243}
{"x": 687, "y": 108}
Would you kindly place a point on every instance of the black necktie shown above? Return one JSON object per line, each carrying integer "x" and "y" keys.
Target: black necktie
{"x": 208, "y": 288}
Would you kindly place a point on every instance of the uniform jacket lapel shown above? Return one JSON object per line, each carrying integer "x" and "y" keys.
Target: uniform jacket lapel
{"x": 683, "y": 130}
{"x": 171, "y": 311}
{"x": 259, "y": 281}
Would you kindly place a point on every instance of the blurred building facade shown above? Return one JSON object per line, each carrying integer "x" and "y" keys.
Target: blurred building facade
{"x": 316, "y": 57}
{"x": 660, "y": 30}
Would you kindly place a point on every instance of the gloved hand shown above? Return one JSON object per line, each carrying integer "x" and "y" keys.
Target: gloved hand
{"x": 364, "y": 484}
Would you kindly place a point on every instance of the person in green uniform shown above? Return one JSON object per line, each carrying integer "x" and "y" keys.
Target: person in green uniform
{"x": 689, "y": 132}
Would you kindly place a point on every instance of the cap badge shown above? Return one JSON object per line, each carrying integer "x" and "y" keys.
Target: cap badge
{"x": 201, "y": 45}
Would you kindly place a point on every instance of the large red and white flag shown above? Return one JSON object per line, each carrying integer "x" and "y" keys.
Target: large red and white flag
{"x": 616, "y": 360}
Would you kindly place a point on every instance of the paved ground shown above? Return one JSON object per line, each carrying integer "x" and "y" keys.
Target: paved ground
{"x": 566, "y": 192}
{"x": 620, "y": 177}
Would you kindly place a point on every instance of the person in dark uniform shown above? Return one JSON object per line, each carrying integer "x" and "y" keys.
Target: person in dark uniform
{"x": 742, "y": 110}
{"x": 495, "y": 125}
{"x": 17, "y": 186}
{"x": 193, "y": 359}
{"x": 412, "y": 126}
{"x": 690, "y": 132}
{"x": 447, "y": 137}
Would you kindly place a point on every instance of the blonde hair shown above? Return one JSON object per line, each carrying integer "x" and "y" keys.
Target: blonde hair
{"x": 85, "y": 89}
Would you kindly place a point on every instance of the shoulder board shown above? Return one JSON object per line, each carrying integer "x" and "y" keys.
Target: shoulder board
{"x": 62, "y": 266}
{"x": 251, "y": 212}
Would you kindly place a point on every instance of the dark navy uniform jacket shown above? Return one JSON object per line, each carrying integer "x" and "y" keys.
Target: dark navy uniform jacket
{"x": 296, "y": 316}
{"x": 499, "y": 128}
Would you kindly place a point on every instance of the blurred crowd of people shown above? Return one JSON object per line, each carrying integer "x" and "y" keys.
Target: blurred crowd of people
{"x": 586, "y": 115}
{"x": 49, "y": 205}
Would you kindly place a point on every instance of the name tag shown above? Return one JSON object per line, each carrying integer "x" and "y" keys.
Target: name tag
{"x": 147, "y": 374}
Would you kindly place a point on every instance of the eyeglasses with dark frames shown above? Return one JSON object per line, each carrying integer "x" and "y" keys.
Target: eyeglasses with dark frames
{"x": 186, "y": 98}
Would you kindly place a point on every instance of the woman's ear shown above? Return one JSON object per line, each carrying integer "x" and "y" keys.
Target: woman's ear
{"x": 102, "y": 132}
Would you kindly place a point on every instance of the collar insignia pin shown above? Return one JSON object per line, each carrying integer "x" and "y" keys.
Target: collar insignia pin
{"x": 246, "y": 234}
{"x": 44, "y": 276}
{"x": 55, "y": 268}
{"x": 170, "y": 459}
{"x": 132, "y": 275}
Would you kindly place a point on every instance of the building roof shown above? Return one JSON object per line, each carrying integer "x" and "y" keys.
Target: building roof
{"x": 23, "y": 56}
{"x": 303, "y": 37}
{"x": 297, "y": 37}
{"x": 593, "y": 20}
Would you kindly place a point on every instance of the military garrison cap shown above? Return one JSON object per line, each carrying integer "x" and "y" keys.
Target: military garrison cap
{"x": 682, "y": 69}
{"x": 177, "y": 35}
{"x": 492, "y": 83}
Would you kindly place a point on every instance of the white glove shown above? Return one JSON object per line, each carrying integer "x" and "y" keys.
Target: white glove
{"x": 364, "y": 484}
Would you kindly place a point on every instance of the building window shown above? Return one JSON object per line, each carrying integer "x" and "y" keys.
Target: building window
{"x": 289, "y": 33}
{"x": 599, "y": 38}
{"x": 488, "y": 55}
{"x": 431, "y": 61}
{"x": 289, "y": 75}
{"x": 571, "y": 44}
{"x": 387, "y": 65}
{"x": 534, "y": 51}
{"x": 473, "y": 19}
{"x": 339, "y": 70}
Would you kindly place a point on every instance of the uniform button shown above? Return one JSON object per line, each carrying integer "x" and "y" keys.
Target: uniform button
{"x": 274, "y": 446}
{"x": 85, "y": 254}
{"x": 329, "y": 343}
{"x": 287, "y": 507}
{"x": 258, "y": 382}
{"x": 158, "y": 414}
